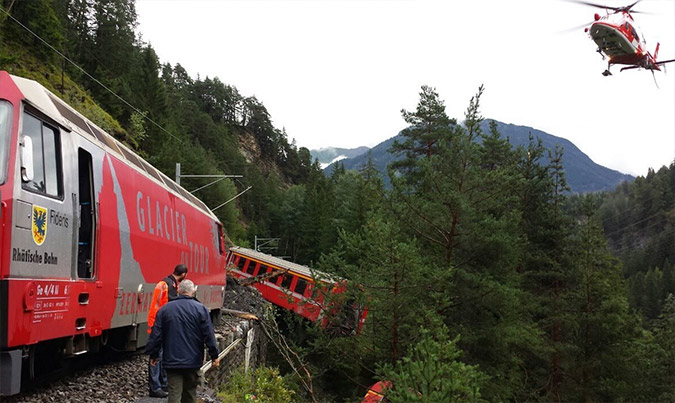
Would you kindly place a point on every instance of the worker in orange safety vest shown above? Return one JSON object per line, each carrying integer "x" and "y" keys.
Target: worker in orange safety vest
{"x": 165, "y": 291}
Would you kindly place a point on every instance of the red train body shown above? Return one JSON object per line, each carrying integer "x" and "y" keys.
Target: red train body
{"x": 86, "y": 230}
{"x": 376, "y": 392}
{"x": 296, "y": 290}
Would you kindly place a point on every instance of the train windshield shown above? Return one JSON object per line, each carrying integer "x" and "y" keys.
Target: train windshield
{"x": 5, "y": 131}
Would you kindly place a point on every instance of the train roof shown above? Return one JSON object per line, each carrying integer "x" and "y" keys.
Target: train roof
{"x": 284, "y": 264}
{"x": 46, "y": 102}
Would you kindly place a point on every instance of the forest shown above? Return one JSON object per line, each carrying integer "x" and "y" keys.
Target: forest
{"x": 484, "y": 277}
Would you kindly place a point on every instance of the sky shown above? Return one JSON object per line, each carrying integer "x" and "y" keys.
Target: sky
{"x": 336, "y": 73}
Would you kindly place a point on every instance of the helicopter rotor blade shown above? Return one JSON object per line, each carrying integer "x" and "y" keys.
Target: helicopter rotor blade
{"x": 665, "y": 61}
{"x": 578, "y": 27}
{"x": 627, "y": 8}
{"x": 606, "y": 7}
{"x": 596, "y": 5}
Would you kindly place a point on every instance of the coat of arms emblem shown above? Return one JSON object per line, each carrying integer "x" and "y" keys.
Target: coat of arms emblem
{"x": 39, "y": 221}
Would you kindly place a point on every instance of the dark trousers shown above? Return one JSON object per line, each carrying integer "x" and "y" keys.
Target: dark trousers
{"x": 156, "y": 375}
{"x": 182, "y": 384}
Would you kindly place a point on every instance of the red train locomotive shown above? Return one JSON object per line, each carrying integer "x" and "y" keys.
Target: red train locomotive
{"x": 297, "y": 289}
{"x": 86, "y": 230}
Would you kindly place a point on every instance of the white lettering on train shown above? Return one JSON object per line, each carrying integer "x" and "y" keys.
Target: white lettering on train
{"x": 178, "y": 229}
{"x": 176, "y": 221}
{"x": 140, "y": 213}
{"x": 171, "y": 225}
{"x": 158, "y": 217}
{"x": 152, "y": 231}
{"x": 184, "y": 226}
{"x": 197, "y": 258}
{"x": 168, "y": 236}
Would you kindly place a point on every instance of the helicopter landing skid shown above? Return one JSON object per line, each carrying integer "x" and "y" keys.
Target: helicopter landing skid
{"x": 607, "y": 72}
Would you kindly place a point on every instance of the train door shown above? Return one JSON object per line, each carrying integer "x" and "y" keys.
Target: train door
{"x": 86, "y": 209}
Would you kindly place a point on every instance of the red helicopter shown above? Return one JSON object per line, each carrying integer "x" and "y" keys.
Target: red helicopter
{"x": 617, "y": 38}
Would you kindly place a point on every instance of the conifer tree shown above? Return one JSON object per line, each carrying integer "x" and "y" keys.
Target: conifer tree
{"x": 599, "y": 329}
{"x": 428, "y": 125}
{"x": 663, "y": 364}
{"x": 432, "y": 372}
{"x": 457, "y": 196}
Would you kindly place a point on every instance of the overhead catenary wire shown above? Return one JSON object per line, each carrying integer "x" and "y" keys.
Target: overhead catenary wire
{"x": 632, "y": 208}
{"x": 630, "y": 247}
{"x": 90, "y": 76}
{"x": 635, "y": 223}
{"x": 240, "y": 193}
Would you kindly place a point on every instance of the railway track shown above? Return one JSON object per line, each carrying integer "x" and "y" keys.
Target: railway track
{"x": 107, "y": 377}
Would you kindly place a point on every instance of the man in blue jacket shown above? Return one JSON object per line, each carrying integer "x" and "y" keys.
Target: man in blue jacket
{"x": 181, "y": 328}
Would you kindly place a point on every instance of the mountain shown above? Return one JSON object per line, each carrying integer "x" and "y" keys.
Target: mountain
{"x": 583, "y": 175}
{"x": 329, "y": 155}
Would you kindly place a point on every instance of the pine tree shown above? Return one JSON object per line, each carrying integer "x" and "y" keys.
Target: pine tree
{"x": 458, "y": 197}
{"x": 663, "y": 365}
{"x": 432, "y": 372}
{"x": 428, "y": 125}
{"x": 599, "y": 329}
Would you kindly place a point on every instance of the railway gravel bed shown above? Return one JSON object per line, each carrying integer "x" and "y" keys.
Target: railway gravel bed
{"x": 122, "y": 380}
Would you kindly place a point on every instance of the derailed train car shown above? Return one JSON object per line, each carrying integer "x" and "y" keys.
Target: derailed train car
{"x": 86, "y": 230}
{"x": 309, "y": 293}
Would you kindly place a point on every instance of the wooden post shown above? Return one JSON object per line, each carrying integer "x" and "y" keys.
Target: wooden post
{"x": 247, "y": 352}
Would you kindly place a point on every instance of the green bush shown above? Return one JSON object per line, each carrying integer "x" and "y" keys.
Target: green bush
{"x": 262, "y": 385}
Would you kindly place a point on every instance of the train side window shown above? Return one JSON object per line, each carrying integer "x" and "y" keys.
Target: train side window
{"x": 286, "y": 282}
{"x": 301, "y": 286}
{"x": 251, "y": 267}
{"x": 263, "y": 269}
{"x": 46, "y": 157}
{"x": 241, "y": 263}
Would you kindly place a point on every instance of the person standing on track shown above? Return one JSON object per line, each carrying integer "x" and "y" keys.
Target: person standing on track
{"x": 165, "y": 291}
{"x": 181, "y": 329}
